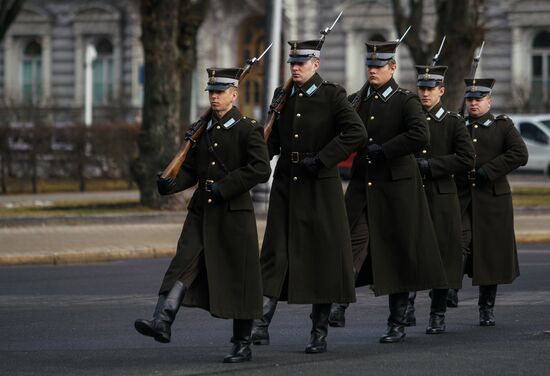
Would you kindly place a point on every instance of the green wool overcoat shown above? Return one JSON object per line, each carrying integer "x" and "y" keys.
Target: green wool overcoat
{"x": 229, "y": 281}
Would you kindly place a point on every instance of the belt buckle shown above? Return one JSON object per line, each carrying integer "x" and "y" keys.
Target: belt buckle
{"x": 294, "y": 157}
{"x": 208, "y": 185}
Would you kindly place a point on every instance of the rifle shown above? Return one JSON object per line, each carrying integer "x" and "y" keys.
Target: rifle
{"x": 197, "y": 128}
{"x": 279, "y": 99}
{"x": 359, "y": 97}
{"x": 436, "y": 56}
{"x": 472, "y": 74}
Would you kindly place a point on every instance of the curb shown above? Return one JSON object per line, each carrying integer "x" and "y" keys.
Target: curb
{"x": 117, "y": 254}
{"x": 87, "y": 257}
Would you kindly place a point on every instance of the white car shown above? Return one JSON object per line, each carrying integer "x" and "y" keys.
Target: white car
{"x": 535, "y": 131}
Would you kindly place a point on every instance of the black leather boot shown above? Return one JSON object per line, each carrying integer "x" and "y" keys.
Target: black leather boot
{"x": 396, "y": 321}
{"x": 337, "y": 317}
{"x": 438, "y": 308}
{"x": 486, "y": 303}
{"x": 165, "y": 313}
{"x": 318, "y": 339}
{"x": 241, "y": 342}
{"x": 260, "y": 333}
{"x": 410, "y": 319}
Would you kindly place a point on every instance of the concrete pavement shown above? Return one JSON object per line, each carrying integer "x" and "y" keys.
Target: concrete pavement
{"x": 154, "y": 235}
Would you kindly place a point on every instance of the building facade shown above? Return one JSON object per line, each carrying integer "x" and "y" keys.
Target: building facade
{"x": 42, "y": 55}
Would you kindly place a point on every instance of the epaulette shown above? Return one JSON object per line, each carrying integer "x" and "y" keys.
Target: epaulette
{"x": 325, "y": 82}
{"x": 404, "y": 91}
{"x": 502, "y": 117}
{"x": 250, "y": 121}
{"x": 454, "y": 114}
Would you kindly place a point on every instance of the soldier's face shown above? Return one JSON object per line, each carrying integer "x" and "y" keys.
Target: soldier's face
{"x": 222, "y": 101}
{"x": 478, "y": 106}
{"x": 378, "y": 76}
{"x": 301, "y": 72}
{"x": 430, "y": 96}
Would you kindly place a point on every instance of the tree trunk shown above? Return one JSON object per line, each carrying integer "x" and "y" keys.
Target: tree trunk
{"x": 192, "y": 14}
{"x": 460, "y": 22}
{"x": 9, "y": 9}
{"x": 159, "y": 137}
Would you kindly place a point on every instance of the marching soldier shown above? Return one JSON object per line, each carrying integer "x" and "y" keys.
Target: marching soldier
{"x": 450, "y": 152}
{"x": 216, "y": 266}
{"x": 306, "y": 254}
{"x": 394, "y": 244}
{"x": 486, "y": 199}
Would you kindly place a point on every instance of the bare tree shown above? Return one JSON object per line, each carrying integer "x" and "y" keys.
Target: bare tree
{"x": 9, "y": 9}
{"x": 166, "y": 29}
{"x": 460, "y": 21}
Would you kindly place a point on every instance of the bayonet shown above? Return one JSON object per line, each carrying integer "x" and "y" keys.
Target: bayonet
{"x": 404, "y": 34}
{"x": 436, "y": 56}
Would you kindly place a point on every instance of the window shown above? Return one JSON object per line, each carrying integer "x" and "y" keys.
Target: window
{"x": 540, "y": 65}
{"x": 531, "y": 132}
{"x": 31, "y": 73}
{"x": 103, "y": 73}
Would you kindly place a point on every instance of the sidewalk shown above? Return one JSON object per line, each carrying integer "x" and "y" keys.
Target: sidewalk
{"x": 95, "y": 238}
{"x": 133, "y": 236}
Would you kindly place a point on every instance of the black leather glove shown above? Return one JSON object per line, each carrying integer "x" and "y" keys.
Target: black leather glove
{"x": 482, "y": 176}
{"x": 215, "y": 188}
{"x": 165, "y": 185}
{"x": 312, "y": 165}
{"x": 375, "y": 153}
{"x": 424, "y": 167}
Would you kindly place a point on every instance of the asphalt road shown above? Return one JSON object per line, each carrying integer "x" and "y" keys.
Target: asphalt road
{"x": 78, "y": 320}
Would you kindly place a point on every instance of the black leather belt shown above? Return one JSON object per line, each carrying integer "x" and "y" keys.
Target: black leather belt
{"x": 297, "y": 156}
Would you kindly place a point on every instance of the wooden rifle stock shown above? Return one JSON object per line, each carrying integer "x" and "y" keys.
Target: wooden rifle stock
{"x": 276, "y": 107}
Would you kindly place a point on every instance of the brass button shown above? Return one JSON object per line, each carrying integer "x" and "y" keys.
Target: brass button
{"x": 298, "y": 115}
{"x": 218, "y": 127}
{"x": 371, "y": 139}
{"x": 296, "y": 135}
{"x": 295, "y": 178}
{"x": 376, "y": 97}
{"x": 452, "y": 175}
{"x": 473, "y": 184}
{"x": 369, "y": 161}
{"x": 301, "y": 94}
{"x": 369, "y": 184}
{"x": 209, "y": 200}
{"x": 215, "y": 144}
{"x": 474, "y": 140}
{"x": 424, "y": 151}
{"x": 423, "y": 186}
{"x": 476, "y": 126}
{"x": 428, "y": 118}
{"x": 372, "y": 117}
{"x": 213, "y": 163}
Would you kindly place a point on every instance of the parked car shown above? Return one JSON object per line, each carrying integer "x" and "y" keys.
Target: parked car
{"x": 535, "y": 131}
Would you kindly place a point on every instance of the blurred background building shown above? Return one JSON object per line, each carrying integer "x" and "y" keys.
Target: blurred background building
{"x": 42, "y": 55}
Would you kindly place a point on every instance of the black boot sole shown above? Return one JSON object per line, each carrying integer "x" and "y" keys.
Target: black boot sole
{"x": 487, "y": 323}
{"x": 392, "y": 339}
{"x": 240, "y": 359}
{"x": 315, "y": 350}
{"x": 435, "y": 331}
{"x": 146, "y": 330}
{"x": 337, "y": 324}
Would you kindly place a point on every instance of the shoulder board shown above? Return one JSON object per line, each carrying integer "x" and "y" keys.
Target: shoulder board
{"x": 249, "y": 121}
{"x": 454, "y": 114}
{"x": 403, "y": 91}
{"x": 502, "y": 117}
{"x": 330, "y": 83}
